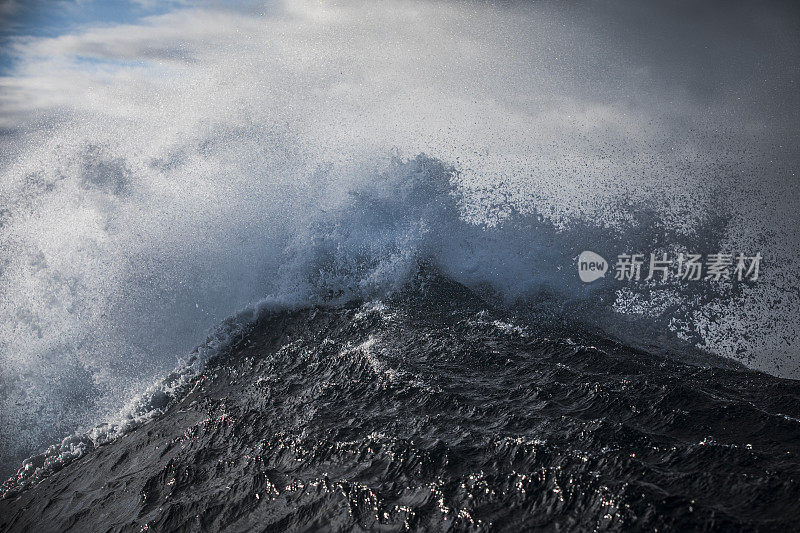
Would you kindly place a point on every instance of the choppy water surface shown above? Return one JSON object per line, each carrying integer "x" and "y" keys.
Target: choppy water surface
{"x": 431, "y": 410}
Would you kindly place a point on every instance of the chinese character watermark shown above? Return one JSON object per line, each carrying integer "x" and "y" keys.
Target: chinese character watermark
{"x": 684, "y": 267}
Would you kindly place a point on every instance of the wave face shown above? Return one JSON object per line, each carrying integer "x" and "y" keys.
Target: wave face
{"x": 433, "y": 410}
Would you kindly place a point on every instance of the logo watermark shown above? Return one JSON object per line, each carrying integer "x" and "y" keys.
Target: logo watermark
{"x": 591, "y": 266}
{"x": 685, "y": 267}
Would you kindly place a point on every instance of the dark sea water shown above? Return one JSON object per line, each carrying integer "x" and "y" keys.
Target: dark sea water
{"x": 431, "y": 410}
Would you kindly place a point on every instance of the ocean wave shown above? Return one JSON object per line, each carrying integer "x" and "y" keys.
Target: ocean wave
{"x": 361, "y": 236}
{"x": 161, "y": 175}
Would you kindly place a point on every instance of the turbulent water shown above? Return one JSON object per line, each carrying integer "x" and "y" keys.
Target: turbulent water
{"x": 373, "y": 212}
{"x": 431, "y": 409}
